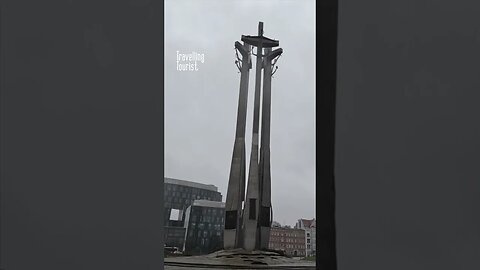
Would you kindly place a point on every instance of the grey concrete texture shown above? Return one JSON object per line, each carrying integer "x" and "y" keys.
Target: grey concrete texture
{"x": 238, "y": 259}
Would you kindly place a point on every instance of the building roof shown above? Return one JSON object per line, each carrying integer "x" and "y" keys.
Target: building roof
{"x": 189, "y": 184}
{"x": 207, "y": 203}
{"x": 286, "y": 229}
{"x": 308, "y": 223}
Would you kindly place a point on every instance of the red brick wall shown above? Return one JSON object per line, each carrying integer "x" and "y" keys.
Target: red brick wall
{"x": 291, "y": 241}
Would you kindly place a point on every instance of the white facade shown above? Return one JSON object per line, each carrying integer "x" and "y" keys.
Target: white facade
{"x": 309, "y": 226}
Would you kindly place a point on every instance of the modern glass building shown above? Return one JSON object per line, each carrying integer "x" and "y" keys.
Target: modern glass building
{"x": 204, "y": 223}
{"x": 178, "y": 196}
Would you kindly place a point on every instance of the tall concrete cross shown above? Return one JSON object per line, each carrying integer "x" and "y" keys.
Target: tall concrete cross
{"x": 258, "y": 198}
{"x": 250, "y": 222}
{"x": 265, "y": 214}
{"x": 250, "y": 228}
{"x": 236, "y": 183}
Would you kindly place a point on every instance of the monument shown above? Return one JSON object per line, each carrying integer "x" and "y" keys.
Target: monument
{"x": 236, "y": 183}
{"x": 248, "y": 227}
{"x": 248, "y": 215}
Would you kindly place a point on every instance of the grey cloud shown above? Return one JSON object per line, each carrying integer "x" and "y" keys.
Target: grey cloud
{"x": 200, "y": 107}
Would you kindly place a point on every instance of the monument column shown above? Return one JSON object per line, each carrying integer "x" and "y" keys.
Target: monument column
{"x": 236, "y": 183}
{"x": 250, "y": 221}
{"x": 265, "y": 218}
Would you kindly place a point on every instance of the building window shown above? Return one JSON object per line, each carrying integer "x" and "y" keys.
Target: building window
{"x": 174, "y": 214}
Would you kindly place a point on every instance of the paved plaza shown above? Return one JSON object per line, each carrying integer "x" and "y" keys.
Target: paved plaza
{"x": 237, "y": 259}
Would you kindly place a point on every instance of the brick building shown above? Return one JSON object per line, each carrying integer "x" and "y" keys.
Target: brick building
{"x": 289, "y": 240}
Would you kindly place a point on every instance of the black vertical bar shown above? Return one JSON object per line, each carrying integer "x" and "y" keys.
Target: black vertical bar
{"x": 327, "y": 52}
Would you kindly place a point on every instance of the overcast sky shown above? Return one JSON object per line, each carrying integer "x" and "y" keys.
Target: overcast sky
{"x": 201, "y": 106}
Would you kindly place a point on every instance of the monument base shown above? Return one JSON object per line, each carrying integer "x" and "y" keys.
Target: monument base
{"x": 238, "y": 259}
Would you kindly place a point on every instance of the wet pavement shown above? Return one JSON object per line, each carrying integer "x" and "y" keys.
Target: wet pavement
{"x": 237, "y": 259}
